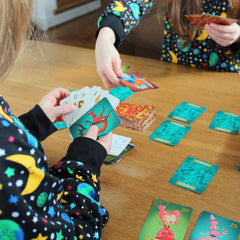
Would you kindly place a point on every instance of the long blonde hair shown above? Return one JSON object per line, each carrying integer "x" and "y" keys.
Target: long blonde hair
{"x": 14, "y": 21}
{"x": 177, "y": 9}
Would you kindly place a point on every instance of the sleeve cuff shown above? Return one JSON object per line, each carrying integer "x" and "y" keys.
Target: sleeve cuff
{"x": 116, "y": 25}
{"x": 87, "y": 151}
{"x": 38, "y": 123}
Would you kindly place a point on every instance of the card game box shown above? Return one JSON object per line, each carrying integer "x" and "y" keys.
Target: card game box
{"x": 136, "y": 116}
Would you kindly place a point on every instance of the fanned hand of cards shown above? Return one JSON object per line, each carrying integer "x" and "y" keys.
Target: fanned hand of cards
{"x": 200, "y": 20}
{"x": 93, "y": 106}
{"x": 137, "y": 82}
{"x": 136, "y": 116}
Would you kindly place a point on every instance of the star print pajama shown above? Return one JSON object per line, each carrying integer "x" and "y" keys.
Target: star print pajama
{"x": 38, "y": 202}
{"x": 203, "y": 52}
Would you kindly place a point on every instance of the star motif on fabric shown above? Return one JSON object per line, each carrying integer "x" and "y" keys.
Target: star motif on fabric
{"x": 2, "y": 152}
{"x": 94, "y": 178}
{"x": 96, "y": 235}
{"x": 1, "y": 186}
{"x": 51, "y": 211}
{"x": 73, "y": 205}
{"x": 40, "y": 237}
{"x": 80, "y": 178}
{"x": 10, "y": 172}
{"x": 13, "y": 199}
{"x": 59, "y": 235}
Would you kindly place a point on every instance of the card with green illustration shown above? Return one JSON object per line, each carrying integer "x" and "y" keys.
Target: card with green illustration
{"x": 170, "y": 132}
{"x": 211, "y": 226}
{"x": 187, "y": 112}
{"x": 226, "y": 122}
{"x": 166, "y": 220}
{"x": 102, "y": 114}
{"x": 194, "y": 174}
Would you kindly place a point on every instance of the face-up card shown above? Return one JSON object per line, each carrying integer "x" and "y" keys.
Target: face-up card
{"x": 194, "y": 174}
{"x": 170, "y": 132}
{"x": 137, "y": 82}
{"x": 118, "y": 144}
{"x": 226, "y": 122}
{"x": 200, "y": 20}
{"x": 213, "y": 227}
{"x": 187, "y": 112}
{"x": 122, "y": 93}
{"x": 166, "y": 220}
{"x": 102, "y": 115}
{"x": 113, "y": 159}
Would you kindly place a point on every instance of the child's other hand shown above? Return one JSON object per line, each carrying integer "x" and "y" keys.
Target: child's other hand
{"x": 106, "y": 141}
{"x": 108, "y": 59}
{"x": 224, "y": 35}
{"x": 50, "y": 104}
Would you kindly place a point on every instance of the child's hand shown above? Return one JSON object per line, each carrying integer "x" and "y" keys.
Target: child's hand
{"x": 224, "y": 35}
{"x": 50, "y": 104}
{"x": 108, "y": 59}
{"x": 106, "y": 141}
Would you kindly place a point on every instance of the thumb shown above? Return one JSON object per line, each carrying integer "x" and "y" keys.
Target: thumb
{"x": 92, "y": 132}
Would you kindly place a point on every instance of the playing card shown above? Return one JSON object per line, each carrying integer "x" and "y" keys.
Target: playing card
{"x": 137, "y": 82}
{"x": 113, "y": 159}
{"x": 200, "y": 20}
{"x": 170, "y": 132}
{"x": 194, "y": 174}
{"x": 187, "y": 112}
{"x": 166, "y": 220}
{"x": 211, "y": 226}
{"x": 102, "y": 114}
{"x": 122, "y": 93}
{"x": 226, "y": 122}
{"x": 118, "y": 144}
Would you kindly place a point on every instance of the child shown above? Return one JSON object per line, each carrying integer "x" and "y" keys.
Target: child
{"x": 37, "y": 202}
{"x": 214, "y": 48}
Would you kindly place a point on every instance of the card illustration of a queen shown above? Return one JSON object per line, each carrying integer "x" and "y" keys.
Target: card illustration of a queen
{"x": 166, "y": 221}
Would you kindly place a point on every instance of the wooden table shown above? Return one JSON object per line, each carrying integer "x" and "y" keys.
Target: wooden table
{"x": 130, "y": 186}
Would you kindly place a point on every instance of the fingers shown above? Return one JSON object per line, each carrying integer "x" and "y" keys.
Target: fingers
{"x": 92, "y": 132}
{"x": 106, "y": 142}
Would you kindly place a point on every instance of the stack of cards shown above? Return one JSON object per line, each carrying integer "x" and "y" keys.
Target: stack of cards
{"x": 137, "y": 82}
{"x": 166, "y": 220}
{"x": 93, "y": 106}
{"x": 200, "y": 20}
{"x": 135, "y": 116}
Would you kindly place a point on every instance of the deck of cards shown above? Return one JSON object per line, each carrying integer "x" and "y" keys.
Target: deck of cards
{"x": 136, "y": 116}
{"x": 93, "y": 106}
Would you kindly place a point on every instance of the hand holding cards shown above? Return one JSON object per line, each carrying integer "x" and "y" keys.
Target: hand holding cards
{"x": 94, "y": 106}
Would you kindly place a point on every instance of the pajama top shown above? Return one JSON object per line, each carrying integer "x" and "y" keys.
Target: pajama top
{"x": 38, "y": 202}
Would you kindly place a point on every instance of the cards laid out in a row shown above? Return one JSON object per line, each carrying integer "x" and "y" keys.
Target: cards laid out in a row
{"x": 93, "y": 106}
{"x": 167, "y": 220}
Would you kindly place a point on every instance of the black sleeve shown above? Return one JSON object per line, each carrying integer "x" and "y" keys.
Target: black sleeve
{"x": 38, "y": 123}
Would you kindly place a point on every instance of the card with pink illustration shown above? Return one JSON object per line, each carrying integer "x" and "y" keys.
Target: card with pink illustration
{"x": 213, "y": 227}
{"x": 166, "y": 220}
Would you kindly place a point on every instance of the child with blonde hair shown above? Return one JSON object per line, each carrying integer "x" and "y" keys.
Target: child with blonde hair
{"x": 38, "y": 202}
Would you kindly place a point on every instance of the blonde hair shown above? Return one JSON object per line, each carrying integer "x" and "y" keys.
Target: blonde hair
{"x": 14, "y": 21}
{"x": 177, "y": 9}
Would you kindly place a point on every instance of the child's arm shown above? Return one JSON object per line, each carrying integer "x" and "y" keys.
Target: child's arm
{"x": 39, "y": 121}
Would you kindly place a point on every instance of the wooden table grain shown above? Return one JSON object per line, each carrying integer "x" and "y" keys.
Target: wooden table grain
{"x": 130, "y": 186}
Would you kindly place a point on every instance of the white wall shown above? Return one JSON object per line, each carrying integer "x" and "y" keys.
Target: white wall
{"x": 44, "y": 18}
